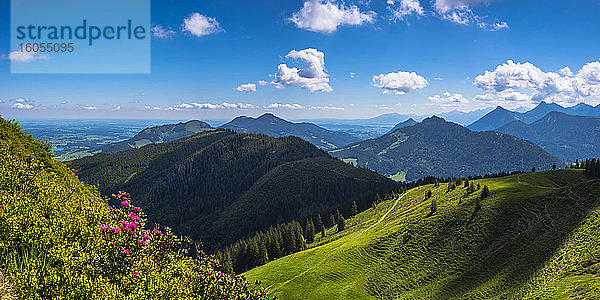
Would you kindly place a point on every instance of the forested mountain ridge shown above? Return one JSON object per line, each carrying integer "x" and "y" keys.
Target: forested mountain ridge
{"x": 208, "y": 184}
{"x": 158, "y": 134}
{"x": 439, "y": 148}
{"x": 276, "y": 127}
{"x": 566, "y": 136}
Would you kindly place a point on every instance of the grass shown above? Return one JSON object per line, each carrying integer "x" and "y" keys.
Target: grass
{"x": 534, "y": 237}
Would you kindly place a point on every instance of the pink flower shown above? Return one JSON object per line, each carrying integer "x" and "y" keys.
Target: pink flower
{"x": 125, "y": 252}
{"x": 124, "y": 203}
{"x": 117, "y": 229}
{"x": 137, "y": 208}
{"x": 141, "y": 241}
{"x": 104, "y": 226}
{"x": 146, "y": 237}
{"x": 132, "y": 216}
{"x": 156, "y": 231}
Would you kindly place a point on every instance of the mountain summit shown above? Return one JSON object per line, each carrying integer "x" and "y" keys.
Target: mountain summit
{"x": 274, "y": 126}
{"x": 436, "y": 147}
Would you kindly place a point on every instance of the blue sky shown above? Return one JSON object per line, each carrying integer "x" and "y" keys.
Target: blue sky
{"x": 370, "y": 50}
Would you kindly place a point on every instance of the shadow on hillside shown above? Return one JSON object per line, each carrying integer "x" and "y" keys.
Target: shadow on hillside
{"x": 523, "y": 236}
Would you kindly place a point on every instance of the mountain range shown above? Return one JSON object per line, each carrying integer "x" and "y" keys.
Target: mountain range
{"x": 439, "y": 148}
{"x": 158, "y": 134}
{"x": 219, "y": 186}
{"x": 274, "y": 126}
{"x": 566, "y": 136}
{"x": 501, "y": 116}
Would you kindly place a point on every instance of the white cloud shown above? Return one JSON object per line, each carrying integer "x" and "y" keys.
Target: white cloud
{"x": 1, "y": 101}
{"x": 448, "y": 99}
{"x": 326, "y": 107}
{"x": 20, "y": 100}
{"x": 148, "y": 107}
{"x": 493, "y": 26}
{"x": 293, "y": 106}
{"x": 20, "y": 105}
{"x": 400, "y": 82}
{"x": 405, "y": 8}
{"x": 566, "y": 71}
{"x": 160, "y": 32}
{"x": 118, "y": 107}
{"x": 199, "y": 106}
{"x": 90, "y": 107}
{"x": 200, "y": 25}
{"x": 568, "y": 88}
{"x": 460, "y": 12}
{"x": 18, "y": 56}
{"x": 507, "y": 99}
{"x": 248, "y": 87}
{"x": 352, "y": 74}
{"x": 326, "y": 16}
{"x": 311, "y": 76}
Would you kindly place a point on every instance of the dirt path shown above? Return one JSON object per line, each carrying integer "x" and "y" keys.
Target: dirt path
{"x": 385, "y": 215}
{"x": 334, "y": 250}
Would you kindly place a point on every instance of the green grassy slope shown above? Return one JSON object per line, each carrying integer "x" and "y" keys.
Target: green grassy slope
{"x": 535, "y": 236}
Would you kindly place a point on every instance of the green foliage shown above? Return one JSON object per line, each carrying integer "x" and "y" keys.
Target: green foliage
{"x": 220, "y": 186}
{"x": 264, "y": 246}
{"x": 354, "y": 209}
{"x": 59, "y": 239}
{"x": 534, "y": 237}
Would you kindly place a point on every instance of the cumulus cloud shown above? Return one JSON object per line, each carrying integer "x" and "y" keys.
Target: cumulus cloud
{"x": 20, "y": 105}
{"x": 399, "y": 83}
{"x": 18, "y": 56}
{"x": 248, "y": 87}
{"x": 20, "y": 100}
{"x": 403, "y": 8}
{"x": 507, "y": 99}
{"x": 90, "y": 107}
{"x": 160, "y": 32}
{"x": 566, "y": 71}
{"x": 564, "y": 88}
{"x": 118, "y": 107}
{"x": 311, "y": 75}
{"x": 449, "y": 100}
{"x": 200, "y": 25}
{"x": 200, "y": 106}
{"x": 293, "y": 106}
{"x": 148, "y": 107}
{"x": 327, "y": 16}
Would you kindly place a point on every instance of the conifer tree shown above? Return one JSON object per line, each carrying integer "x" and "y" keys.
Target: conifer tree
{"x": 354, "y": 209}
{"x": 553, "y": 166}
{"x": 320, "y": 226}
{"x": 331, "y": 221}
{"x": 485, "y": 192}
{"x": 533, "y": 169}
{"x": 310, "y": 231}
{"x": 341, "y": 225}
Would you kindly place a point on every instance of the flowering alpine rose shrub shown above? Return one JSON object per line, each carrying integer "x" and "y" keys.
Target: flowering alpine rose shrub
{"x": 60, "y": 239}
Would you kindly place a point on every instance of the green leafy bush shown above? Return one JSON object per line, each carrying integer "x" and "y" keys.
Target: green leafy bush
{"x": 59, "y": 239}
